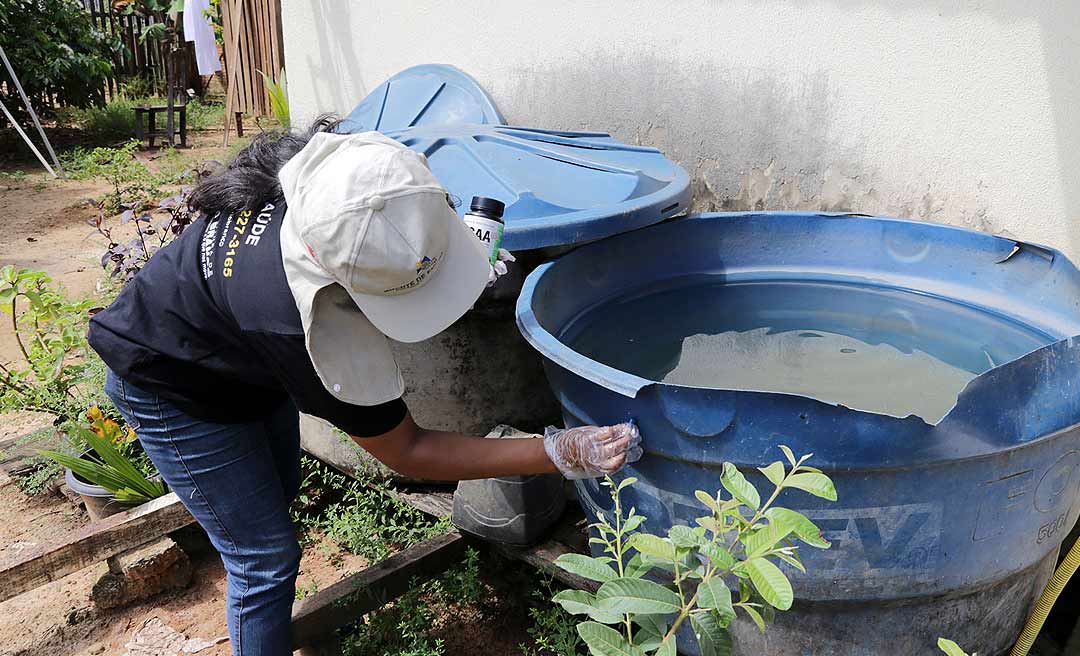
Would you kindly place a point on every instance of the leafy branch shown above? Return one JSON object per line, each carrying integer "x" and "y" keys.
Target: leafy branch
{"x": 741, "y": 538}
{"x": 50, "y": 333}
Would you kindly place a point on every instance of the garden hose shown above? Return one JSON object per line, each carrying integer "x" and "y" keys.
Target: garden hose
{"x": 1046, "y": 601}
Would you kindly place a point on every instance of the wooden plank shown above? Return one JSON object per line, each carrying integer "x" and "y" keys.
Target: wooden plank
{"x": 315, "y": 618}
{"x": 232, "y": 45}
{"x": 17, "y": 454}
{"x": 92, "y": 544}
{"x": 275, "y": 38}
{"x": 246, "y": 63}
{"x": 258, "y": 32}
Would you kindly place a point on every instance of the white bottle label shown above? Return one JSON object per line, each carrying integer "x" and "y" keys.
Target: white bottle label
{"x": 487, "y": 231}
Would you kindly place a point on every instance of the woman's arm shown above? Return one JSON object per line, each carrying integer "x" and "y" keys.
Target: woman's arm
{"x": 444, "y": 456}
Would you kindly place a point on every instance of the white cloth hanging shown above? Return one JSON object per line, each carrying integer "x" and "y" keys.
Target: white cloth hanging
{"x": 197, "y": 28}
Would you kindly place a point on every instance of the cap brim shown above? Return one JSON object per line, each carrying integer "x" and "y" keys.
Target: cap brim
{"x": 447, "y": 295}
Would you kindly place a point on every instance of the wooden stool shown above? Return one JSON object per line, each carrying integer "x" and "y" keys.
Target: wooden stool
{"x": 151, "y": 132}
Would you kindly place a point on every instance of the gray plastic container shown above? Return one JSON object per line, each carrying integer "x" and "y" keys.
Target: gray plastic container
{"x": 515, "y": 510}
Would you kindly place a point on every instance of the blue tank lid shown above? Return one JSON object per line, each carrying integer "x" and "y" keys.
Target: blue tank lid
{"x": 560, "y": 188}
{"x": 423, "y": 95}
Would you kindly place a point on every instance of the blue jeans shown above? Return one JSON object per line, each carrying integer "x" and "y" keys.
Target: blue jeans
{"x": 237, "y": 480}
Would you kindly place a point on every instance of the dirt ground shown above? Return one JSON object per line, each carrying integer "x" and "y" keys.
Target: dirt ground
{"x": 58, "y": 618}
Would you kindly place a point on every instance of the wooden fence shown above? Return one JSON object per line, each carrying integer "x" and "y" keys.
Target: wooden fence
{"x": 137, "y": 58}
{"x": 260, "y": 50}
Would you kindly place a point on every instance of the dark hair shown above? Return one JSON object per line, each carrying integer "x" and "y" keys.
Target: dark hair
{"x": 250, "y": 179}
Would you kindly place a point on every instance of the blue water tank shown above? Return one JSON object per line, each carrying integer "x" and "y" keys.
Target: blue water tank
{"x": 948, "y": 527}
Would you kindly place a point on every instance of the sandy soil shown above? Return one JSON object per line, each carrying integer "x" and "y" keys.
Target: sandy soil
{"x": 59, "y": 619}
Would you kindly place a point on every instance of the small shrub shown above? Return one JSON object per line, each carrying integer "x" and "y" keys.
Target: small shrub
{"x": 50, "y": 333}
{"x": 204, "y": 116}
{"x": 113, "y": 120}
{"x": 152, "y": 234}
{"x": 634, "y": 615}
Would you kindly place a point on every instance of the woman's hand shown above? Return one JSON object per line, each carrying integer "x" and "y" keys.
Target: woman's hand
{"x": 592, "y": 451}
{"x": 499, "y": 269}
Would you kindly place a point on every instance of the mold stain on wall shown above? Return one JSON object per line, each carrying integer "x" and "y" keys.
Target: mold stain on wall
{"x": 751, "y": 140}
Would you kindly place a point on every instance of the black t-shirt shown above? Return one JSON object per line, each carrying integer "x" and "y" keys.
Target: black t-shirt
{"x": 211, "y": 325}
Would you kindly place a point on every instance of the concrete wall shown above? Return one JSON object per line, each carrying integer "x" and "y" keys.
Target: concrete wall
{"x": 962, "y": 112}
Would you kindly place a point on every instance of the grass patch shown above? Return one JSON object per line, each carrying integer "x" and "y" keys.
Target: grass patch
{"x": 205, "y": 116}
{"x": 116, "y": 119}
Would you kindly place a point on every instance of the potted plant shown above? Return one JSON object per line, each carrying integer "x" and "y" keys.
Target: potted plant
{"x": 106, "y": 475}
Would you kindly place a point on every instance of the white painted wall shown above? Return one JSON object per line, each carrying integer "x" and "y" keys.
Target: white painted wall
{"x": 962, "y": 112}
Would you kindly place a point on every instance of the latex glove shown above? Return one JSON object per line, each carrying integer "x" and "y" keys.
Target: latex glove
{"x": 499, "y": 268}
{"x": 592, "y": 451}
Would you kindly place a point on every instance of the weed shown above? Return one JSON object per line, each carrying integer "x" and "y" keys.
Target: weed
{"x": 405, "y": 627}
{"x": 40, "y": 477}
{"x": 204, "y": 116}
{"x": 462, "y": 585}
{"x": 553, "y": 631}
{"x": 13, "y": 178}
{"x": 361, "y": 515}
{"x": 133, "y": 184}
{"x": 304, "y": 591}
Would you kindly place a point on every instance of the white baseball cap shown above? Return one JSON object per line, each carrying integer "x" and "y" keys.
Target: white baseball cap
{"x": 372, "y": 249}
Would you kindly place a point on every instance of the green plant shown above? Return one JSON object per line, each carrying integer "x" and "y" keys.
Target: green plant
{"x": 39, "y": 478}
{"x": 462, "y": 584}
{"x": 15, "y": 178}
{"x": 104, "y": 464}
{"x": 304, "y": 591}
{"x": 361, "y": 515}
{"x": 58, "y": 54}
{"x": 50, "y": 332}
{"x": 133, "y": 184}
{"x": 404, "y": 627}
{"x": 203, "y": 115}
{"x": 739, "y": 538}
{"x": 951, "y": 648}
{"x": 279, "y": 98}
{"x": 553, "y": 631}
{"x": 112, "y": 120}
